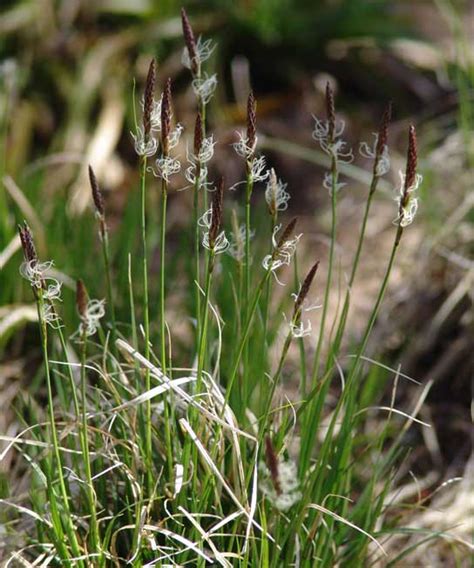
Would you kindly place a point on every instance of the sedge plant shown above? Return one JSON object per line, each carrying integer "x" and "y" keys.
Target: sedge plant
{"x": 204, "y": 458}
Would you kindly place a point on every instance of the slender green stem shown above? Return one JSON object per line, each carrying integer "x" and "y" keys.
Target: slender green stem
{"x": 303, "y": 372}
{"x": 275, "y": 379}
{"x": 378, "y": 302}
{"x": 164, "y": 366}
{"x": 266, "y": 308}
{"x": 108, "y": 276}
{"x": 205, "y": 320}
{"x": 247, "y": 279}
{"x": 197, "y": 260}
{"x": 329, "y": 275}
{"x": 94, "y": 532}
{"x": 245, "y": 335}
{"x": 146, "y": 321}
{"x": 54, "y": 434}
{"x": 248, "y": 195}
{"x": 315, "y": 411}
{"x": 355, "y": 264}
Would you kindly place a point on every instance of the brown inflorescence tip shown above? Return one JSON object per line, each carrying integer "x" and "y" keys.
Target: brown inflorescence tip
{"x": 149, "y": 99}
{"x": 287, "y": 232}
{"x": 81, "y": 299}
{"x": 412, "y": 159}
{"x": 190, "y": 41}
{"x": 382, "y": 138}
{"x": 251, "y": 122}
{"x": 272, "y": 464}
{"x": 217, "y": 213}
{"x": 305, "y": 288}
{"x": 330, "y": 112}
{"x": 198, "y": 134}
{"x": 96, "y": 193}
{"x": 166, "y": 118}
{"x": 27, "y": 243}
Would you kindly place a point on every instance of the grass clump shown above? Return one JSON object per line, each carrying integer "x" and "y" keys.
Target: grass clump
{"x": 149, "y": 456}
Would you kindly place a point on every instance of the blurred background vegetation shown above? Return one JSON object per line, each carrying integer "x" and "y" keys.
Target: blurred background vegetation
{"x": 67, "y": 75}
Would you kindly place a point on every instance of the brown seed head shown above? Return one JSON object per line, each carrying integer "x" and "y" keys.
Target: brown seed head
{"x": 96, "y": 193}
{"x": 190, "y": 41}
{"x": 27, "y": 243}
{"x": 198, "y": 134}
{"x": 305, "y": 289}
{"x": 412, "y": 159}
{"x": 149, "y": 99}
{"x": 272, "y": 464}
{"x": 166, "y": 118}
{"x": 251, "y": 122}
{"x": 217, "y": 213}
{"x": 383, "y": 131}
{"x": 287, "y": 232}
{"x": 81, "y": 299}
{"x": 330, "y": 112}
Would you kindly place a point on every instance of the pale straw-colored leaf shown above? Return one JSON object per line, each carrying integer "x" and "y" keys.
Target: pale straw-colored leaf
{"x": 348, "y": 523}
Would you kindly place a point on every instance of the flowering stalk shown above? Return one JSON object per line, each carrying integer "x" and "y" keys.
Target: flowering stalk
{"x": 411, "y": 182}
{"x": 380, "y": 167}
{"x": 88, "y": 327}
{"x": 348, "y": 399}
{"x": 166, "y": 142}
{"x": 277, "y": 199}
{"x": 212, "y": 244}
{"x": 251, "y": 142}
{"x": 334, "y": 147}
{"x": 104, "y": 239}
{"x": 38, "y": 286}
{"x": 197, "y": 146}
{"x": 286, "y": 247}
{"x": 295, "y": 330}
{"x": 149, "y": 141}
{"x": 194, "y": 55}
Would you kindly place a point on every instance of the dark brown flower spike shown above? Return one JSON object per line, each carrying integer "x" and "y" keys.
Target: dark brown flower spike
{"x": 217, "y": 213}
{"x": 190, "y": 41}
{"x": 330, "y": 112}
{"x": 287, "y": 232}
{"x": 166, "y": 118}
{"x": 251, "y": 122}
{"x": 96, "y": 193}
{"x": 27, "y": 243}
{"x": 305, "y": 289}
{"x": 412, "y": 160}
{"x": 198, "y": 135}
{"x": 149, "y": 99}
{"x": 272, "y": 464}
{"x": 382, "y": 138}
{"x": 81, "y": 299}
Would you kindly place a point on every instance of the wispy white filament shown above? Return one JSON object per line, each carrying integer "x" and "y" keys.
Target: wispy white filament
{"x": 383, "y": 161}
{"x": 204, "y": 49}
{"x": 407, "y": 214}
{"x": 276, "y": 195}
{"x": 204, "y": 87}
{"x": 144, "y": 148}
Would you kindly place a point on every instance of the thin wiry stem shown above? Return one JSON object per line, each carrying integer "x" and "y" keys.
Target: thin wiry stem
{"x": 146, "y": 325}
{"x": 327, "y": 290}
{"x": 95, "y": 538}
{"x": 164, "y": 366}
{"x": 108, "y": 277}
{"x": 355, "y": 264}
{"x": 70, "y": 531}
